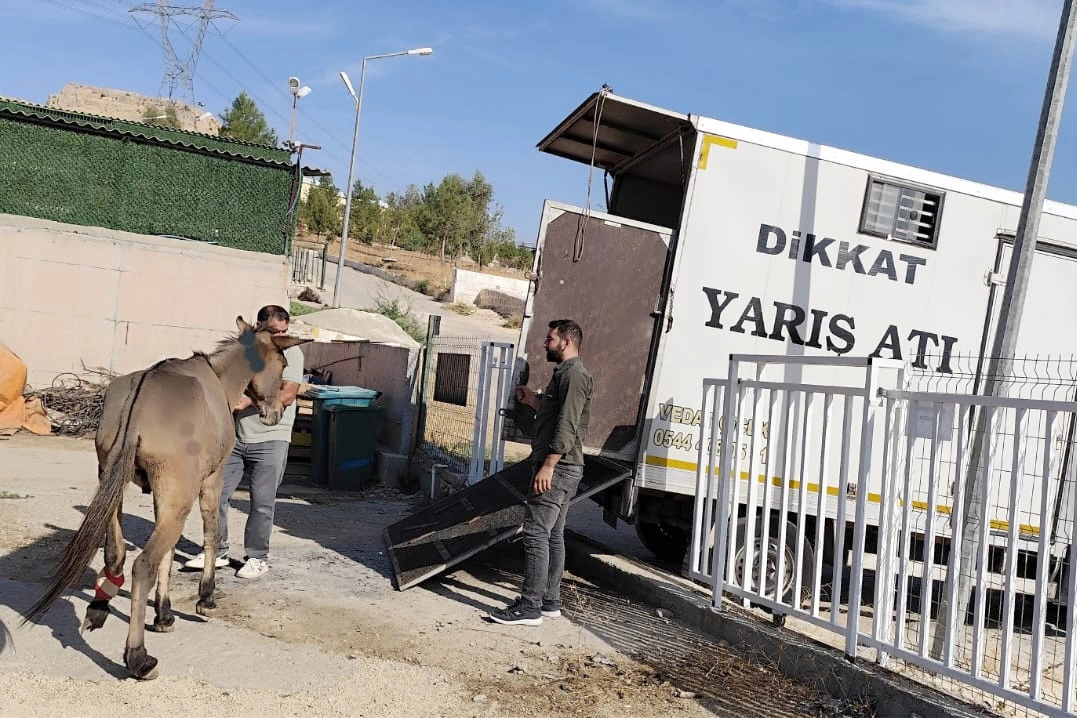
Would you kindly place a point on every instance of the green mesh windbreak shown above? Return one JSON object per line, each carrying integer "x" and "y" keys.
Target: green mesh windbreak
{"x": 127, "y": 176}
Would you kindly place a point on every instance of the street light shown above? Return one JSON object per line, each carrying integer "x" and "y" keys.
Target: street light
{"x": 355, "y": 139}
{"x": 298, "y": 90}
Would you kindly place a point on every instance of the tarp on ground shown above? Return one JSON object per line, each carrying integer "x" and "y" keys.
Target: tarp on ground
{"x": 15, "y": 411}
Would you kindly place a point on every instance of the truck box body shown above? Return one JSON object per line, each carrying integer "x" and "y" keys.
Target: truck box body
{"x": 720, "y": 239}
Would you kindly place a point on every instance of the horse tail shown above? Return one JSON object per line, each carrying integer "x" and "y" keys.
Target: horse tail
{"x": 118, "y": 470}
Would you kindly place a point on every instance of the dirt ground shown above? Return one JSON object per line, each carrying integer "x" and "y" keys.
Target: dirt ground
{"x": 326, "y": 633}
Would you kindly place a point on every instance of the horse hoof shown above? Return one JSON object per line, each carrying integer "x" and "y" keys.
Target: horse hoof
{"x": 142, "y": 665}
{"x": 150, "y": 674}
{"x": 204, "y": 607}
{"x": 95, "y": 618}
{"x": 164, "y": 626}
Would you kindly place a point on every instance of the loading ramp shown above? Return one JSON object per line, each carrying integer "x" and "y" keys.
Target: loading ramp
{"x": 457, "y": 527}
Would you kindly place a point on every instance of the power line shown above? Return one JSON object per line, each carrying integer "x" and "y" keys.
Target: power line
{"x": 82, "y": 11}
{"x": 269, "y": 106}
{"x": 137, "y": 27}
{"x": 303, "y": 112}
{"x": 179, "y": 71}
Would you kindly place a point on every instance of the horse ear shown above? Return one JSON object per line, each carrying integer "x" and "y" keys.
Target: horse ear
{"x": 283, "y": 342}
{"x": 242, "y": 325}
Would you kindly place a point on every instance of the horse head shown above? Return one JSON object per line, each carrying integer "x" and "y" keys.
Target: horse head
{"x": 264, "y": 351}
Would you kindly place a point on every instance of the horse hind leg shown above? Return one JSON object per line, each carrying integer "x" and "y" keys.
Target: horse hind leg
{"x": 110, "y": 578}
{"x": 171, "y": 507}
{"x": 164, "y": 620}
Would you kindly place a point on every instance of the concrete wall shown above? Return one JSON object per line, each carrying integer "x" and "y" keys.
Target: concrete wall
{"x": 466, "y": 285}
{"x": 73, "y": 295}
{"x": 392, "y": 370}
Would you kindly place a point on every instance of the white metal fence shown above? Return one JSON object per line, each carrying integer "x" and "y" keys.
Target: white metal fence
{"x": 308, "y": 265}
{"x": 487, "y": 446}
{"x": 939, "y": 500}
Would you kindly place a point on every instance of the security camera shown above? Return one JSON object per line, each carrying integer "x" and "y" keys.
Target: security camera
{"x": 293, "y": 84}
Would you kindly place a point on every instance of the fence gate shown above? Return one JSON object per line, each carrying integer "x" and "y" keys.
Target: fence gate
{"x": 801, "y": 454}
{"x": 465, "y": 381}
{"x": 495, "y": 388}
{"x": 308, "y": 265}
{"x": 957, "y": 512}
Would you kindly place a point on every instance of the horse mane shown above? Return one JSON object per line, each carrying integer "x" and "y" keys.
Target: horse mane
{"x": 222, "y": 345}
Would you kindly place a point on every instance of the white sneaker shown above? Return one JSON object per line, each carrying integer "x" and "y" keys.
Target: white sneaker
{"x": 199, "y": 561}
{"x": 254, "y": 568}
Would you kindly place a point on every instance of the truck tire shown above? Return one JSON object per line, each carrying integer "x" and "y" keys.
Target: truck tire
{"x": 790, "y": 550}
{"x": 666, "y": 542}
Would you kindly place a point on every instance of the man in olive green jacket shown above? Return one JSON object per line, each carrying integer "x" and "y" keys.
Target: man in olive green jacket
{"x": 560, "y": 423}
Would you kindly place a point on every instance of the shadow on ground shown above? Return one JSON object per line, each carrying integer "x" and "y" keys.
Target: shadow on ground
{"x": 725, "y": 680}
{"x": 28, "y": 570}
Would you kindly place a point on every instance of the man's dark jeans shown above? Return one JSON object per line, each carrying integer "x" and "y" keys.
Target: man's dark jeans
{"x": 544, "y": 536}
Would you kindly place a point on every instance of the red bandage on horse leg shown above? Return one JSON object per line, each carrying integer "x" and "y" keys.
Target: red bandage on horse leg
{"x": 107, "y": 585}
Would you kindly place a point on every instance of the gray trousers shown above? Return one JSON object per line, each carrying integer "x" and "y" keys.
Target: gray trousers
{"x": 544, "y": 536}
{"x": 266, "y": 462}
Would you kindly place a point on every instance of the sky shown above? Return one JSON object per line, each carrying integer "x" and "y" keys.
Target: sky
{"x": 954, "y": 86}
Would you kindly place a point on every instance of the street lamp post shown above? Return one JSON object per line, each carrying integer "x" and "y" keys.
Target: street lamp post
{"x": 358, "y": 98}
{"x": 298, "y": 90}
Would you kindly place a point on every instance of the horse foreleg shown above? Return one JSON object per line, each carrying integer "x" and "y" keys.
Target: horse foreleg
{"x": 209, "y": 499}
{"x": 171, "y": 505}
{"x": 165, "y": 620}
{"x": 111, "y": 577}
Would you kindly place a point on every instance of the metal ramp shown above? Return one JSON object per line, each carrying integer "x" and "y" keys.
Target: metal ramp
{"x": 475, "y": 518}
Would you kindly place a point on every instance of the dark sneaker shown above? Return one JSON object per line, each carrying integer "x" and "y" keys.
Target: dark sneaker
{"x": 516, "y": 614}
{"x": 551, "y": 609}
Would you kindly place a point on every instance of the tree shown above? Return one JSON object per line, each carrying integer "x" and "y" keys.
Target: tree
{"x": 365, "y": 213}
{"x": 396, "y": 223}
{"x": 168, "y": 117}
{"x": 445, "y": 215}
{"x": 244, "y": 121}
{"x": 321, "y": 211}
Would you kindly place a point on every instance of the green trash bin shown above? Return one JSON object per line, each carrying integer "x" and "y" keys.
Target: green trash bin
{"x": 352, "y": 439}
{"x": 324, "y": 397}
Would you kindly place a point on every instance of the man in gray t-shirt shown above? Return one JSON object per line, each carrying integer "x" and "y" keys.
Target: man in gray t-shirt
{"x": 263, "y": 451}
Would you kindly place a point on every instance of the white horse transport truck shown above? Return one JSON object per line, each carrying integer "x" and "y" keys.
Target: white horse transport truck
{"x": 717, "y": 239}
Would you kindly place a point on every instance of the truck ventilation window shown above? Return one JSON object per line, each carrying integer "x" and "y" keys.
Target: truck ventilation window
{"x": 901, "y": 212}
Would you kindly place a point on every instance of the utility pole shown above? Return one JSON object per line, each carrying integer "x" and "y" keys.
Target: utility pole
{"x": 181, "y": 71}
{"x": 1000, "y": 366}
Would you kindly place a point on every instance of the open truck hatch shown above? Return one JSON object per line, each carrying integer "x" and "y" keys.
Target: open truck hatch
{"x": 485, "y": 513}
{"x": 628, "y": 132}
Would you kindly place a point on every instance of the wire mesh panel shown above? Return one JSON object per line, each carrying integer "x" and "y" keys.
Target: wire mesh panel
{"x": 979, "y": 528}
{"x": 454, "y": 401}
{"x": 105, "y": 173}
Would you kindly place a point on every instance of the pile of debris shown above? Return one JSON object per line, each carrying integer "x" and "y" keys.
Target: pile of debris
{"x": 74, "y": 404}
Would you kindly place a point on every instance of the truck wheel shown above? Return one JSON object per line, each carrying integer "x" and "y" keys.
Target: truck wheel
{"x": 771, "y": 565}
{"x": 668, "y": 543}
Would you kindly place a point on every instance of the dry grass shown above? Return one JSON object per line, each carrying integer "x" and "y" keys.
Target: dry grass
{"x": 414, "y": 266}
{"x": 462, "y": 308}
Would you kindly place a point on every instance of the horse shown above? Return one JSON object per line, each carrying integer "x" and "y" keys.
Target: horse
{"x": 168, "y": 429}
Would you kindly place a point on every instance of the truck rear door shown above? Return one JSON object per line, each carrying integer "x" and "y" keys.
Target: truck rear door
{"x": 604, "y": 272}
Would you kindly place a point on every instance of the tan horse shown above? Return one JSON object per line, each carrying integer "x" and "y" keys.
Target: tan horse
{"x": 167, "y": 429}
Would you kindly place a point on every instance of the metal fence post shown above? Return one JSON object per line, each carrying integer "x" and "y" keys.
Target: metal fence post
{"x": 727, "y": 453}
{"x": 325, "y": 261}
{"x": 433, "y": 328}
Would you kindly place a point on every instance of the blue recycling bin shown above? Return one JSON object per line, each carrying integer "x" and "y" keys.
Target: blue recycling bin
{"x": 324, "y": 397}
